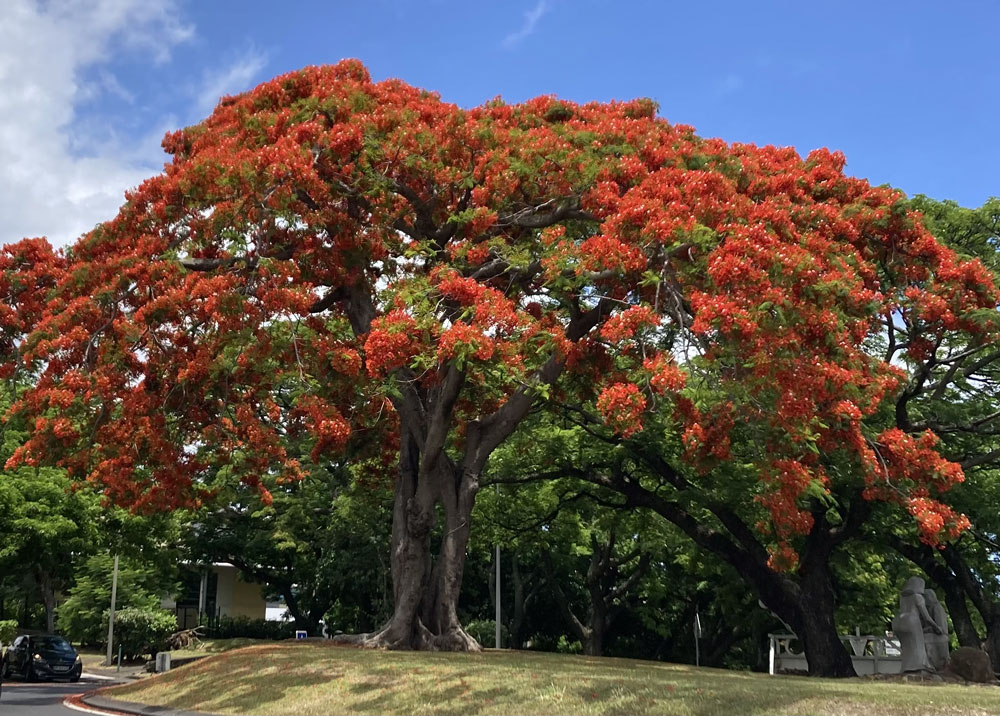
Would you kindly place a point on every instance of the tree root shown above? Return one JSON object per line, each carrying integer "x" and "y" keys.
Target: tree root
{"x": 420, "y": 638}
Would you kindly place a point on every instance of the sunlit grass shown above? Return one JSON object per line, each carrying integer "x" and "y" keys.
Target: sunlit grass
{"x": 318, "y": 678}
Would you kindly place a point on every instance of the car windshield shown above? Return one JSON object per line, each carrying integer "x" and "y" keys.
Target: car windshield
{"x": 52, "y": 643}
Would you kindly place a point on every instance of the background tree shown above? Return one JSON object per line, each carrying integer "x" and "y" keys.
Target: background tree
{"x": 83, "y": 617}
{"x": 590, "y": 561}
{"x": 47, "y": 531}
{"x": 544, "y": 526}
{"x": 48, "y": 528}
{"x": 321, "y": 545}
{"x": 954, "y": 390}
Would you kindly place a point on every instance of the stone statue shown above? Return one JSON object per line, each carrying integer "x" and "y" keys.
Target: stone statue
{"x": 936, "y": 642}
{"x": 909, "y": 625}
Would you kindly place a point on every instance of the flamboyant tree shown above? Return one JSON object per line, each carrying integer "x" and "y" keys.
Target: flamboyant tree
{"x": 327, "y": 255}
{"x": 954, "y": 390}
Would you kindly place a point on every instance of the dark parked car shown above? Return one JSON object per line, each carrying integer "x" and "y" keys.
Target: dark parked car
{"x": 42, "y": 657}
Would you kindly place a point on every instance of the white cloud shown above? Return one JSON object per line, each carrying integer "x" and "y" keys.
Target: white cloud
{"x": 235, "y": 77}
{"x": 531, "y": 18}
{"x": 111, "y": 85}
{"x": 45, "y": 47}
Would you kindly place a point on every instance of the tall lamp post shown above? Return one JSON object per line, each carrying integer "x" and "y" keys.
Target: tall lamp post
{"x": 111, "y": 615}
{"x": 496, "y": 619}
{"x": 498, "y": 599}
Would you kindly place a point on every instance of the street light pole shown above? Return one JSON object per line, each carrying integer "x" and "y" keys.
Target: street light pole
{"x": 498, "y": 597}
{"x": 111, "y": 615}
{"x": 697, "y": 638}
{"x": 496, "y": 619}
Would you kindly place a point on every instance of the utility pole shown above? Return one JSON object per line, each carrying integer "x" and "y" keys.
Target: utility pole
{"x": 498, "y": 597}
{"x": 496, "y": 619}
{"x": 111, "y": 614}
{"x": 697, "y": 638}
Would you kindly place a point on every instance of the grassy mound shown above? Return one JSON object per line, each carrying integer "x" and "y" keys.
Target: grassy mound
{"x": 318, "y": 678}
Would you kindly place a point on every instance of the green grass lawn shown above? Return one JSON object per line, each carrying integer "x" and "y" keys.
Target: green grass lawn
{"x": 317, "y": 678}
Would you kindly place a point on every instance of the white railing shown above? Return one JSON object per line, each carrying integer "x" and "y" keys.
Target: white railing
{"x": 870, "y": 654}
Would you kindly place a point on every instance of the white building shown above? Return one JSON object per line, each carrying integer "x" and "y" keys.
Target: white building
{"x": 213, "y": 591}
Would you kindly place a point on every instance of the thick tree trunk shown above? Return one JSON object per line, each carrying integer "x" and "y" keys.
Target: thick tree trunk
{"x": 597, "y": 626}
{"x": 992, "y": 642}
{"x": 806, "y": 604}
{"x": 439, "y": 609}
{"x": 301, "y": 620}
{"x": 48, "y": 599}
{"x": 958, "y": 610}
{"x": 808, "y": 609}
{"x": 824, "y": 650}
{"x": 593, "y": 644}
{"x": 426, "y": 589}
{"x": 519, "y": 609}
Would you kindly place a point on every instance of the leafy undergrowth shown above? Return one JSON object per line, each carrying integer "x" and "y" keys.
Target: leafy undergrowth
{"x": 317, "y": 678}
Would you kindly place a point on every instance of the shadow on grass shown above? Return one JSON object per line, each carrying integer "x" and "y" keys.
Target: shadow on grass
{"x": 452, "y": 696}
{"x": 244, "y": 683}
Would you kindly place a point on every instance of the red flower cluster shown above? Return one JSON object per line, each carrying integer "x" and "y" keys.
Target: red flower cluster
{"x": 327, "y": 424}
{"x": 665, "y": 376}
{"x": 936, "y": 521}
{"x": 463, "y": 340}
{"x": 322, "y": 217}
{"x": 914, "y": 461}
{"x": 622, "y": 405}
{"x": 624, "y": 325}
{"x": 391, "y": 343}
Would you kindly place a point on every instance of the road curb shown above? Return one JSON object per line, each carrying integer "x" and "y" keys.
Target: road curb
{"x": 132, "y": 707}
{"x": 91, "y": 676}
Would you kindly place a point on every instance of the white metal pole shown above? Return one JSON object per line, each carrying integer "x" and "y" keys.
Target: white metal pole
{"x": 498, "y": 599}
{"x": 111, "y": 614}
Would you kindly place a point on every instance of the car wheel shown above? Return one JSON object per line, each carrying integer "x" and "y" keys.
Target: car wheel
{"x": 75, "y": 677}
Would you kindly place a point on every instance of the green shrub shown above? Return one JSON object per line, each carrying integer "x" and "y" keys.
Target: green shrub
{"x": 565, "y": 646}
{"x": 247, "y": 628}
{"x": 83, "y": 616}
{"x": 142, "y": 631}
{"x": 484, "y": 631}
{"x": 8, "y": 630}
{"x": 562, "y": 644}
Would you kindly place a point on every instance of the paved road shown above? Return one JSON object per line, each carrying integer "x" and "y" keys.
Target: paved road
{"x": 39, "y": 699}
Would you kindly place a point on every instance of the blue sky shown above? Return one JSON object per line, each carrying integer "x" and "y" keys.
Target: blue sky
{"x": 908, "y": 90}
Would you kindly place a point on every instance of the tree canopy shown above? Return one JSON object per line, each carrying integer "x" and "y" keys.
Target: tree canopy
{"x": 326, "y": 258}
